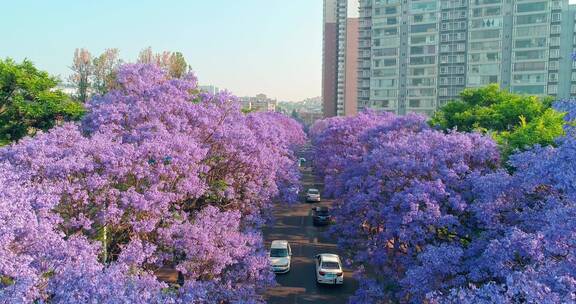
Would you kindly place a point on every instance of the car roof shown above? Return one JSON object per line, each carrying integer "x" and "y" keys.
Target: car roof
{"x": 312, "y": 189}
{"x": 329, "y": 257}
{"x": 321, "y": 208}
{"x": 279, "y": 244}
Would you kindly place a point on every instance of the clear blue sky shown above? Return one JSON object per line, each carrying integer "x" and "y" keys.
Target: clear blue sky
{"x": 246, "y": 46}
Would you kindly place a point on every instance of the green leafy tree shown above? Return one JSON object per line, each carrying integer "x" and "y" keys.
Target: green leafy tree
{"x": 177, "y": 66}
{"x": 104, "y": 71}
{"x": 173, "y": 63}
{"x": 515, "y": 121}
{"x": 30, "y": 102}
{"x": 82, "y": 73}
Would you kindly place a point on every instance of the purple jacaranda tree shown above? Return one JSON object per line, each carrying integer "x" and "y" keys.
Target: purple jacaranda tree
{"x": 433, "y": 218}
{"x": 157, "y": 174}
{"x": 567, "y": 105}
{"x": 336, "y": 142}
{"x": 524, "y": 250}
{"x": 405, "y": 195}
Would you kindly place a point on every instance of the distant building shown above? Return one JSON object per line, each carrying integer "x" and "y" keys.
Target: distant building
{"x": 340, "y": 57}
{"x": 260, "y": 102}
{"x": 308, "y": 110}
{"x": 309, "y": 118}
{"x": 313, "y": 105}
{"x": 417, "y": 55}
{"x": 210, "y": 89}
{"x": 67, "y": 89}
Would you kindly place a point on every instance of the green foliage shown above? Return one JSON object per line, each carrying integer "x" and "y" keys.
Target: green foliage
{"x": 6, "y": 280}
{"x": 48, "y": 274}
{"x": 515, "y": 121}
{"x": 248, "y": 111}
{"x": 28, "y": 101}
{"x": 177, "y": 66}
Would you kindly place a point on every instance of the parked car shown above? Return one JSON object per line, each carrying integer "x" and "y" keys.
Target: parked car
{"x": 313, "y": 195}
{"x": 301, "y": 162}
{"x": 280, "y": 256}
{"x": 329, "y": 269}
{"x": 321, "y": 216}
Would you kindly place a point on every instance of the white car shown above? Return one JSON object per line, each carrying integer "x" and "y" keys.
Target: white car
{"x": 280, "y": 256}
{"x": 312, "y": 195}
{"x": 329, "y": 269}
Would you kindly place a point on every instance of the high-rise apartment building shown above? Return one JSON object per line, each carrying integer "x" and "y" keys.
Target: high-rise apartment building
{"x": 567, "y": 68}
{"x": 340, "y": 58}
{"x": 415, "y": 55}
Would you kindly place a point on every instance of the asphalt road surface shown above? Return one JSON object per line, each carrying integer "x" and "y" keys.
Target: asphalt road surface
{"x": 294, "y": 223}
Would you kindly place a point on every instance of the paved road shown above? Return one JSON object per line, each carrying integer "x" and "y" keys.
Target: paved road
{"x": 294, "y": 223}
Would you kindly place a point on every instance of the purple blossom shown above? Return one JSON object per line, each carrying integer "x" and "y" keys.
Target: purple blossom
{"x": 434, "y": 218}
{"x": 156, "y": 174}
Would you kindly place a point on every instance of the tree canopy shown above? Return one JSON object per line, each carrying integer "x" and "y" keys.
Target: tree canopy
{"x": 432, "y": 217}
{"x": 515, "y": 121}
{"x": 30, "y": 102}
{"x": 156, "y": 174}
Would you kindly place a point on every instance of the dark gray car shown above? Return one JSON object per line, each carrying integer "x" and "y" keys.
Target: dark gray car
{"x": 321, "y": 216}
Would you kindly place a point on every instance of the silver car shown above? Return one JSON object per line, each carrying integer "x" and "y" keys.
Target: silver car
{"x": 312, "y": 195}
{"x": 280, "y": 256}
{"x": 329, "y": 269}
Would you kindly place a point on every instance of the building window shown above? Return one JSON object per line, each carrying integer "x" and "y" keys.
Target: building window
{"x": 532, "y": 19}
{"x": 531, "y": 78}
{"x": 553, "y": 89}
{"x": 553, "y": 65}
{"x": 531, "y": 66}
{"x": 414, "y": 103}
{"x": 555, "y": 53}
{"x": 531, "y": 7}
{"x": 537, "y": 90}
{"x": 555, "y": 41}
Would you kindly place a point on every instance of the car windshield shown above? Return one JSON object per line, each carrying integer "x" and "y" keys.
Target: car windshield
{"x": 322, "y": 212}
{"x": 330, "y": 265}
{"x": 312, "y": 191}
{"x": 278, "y": 252}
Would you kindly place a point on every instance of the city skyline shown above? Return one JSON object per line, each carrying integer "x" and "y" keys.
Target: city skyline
{"x": 248, "y": 48}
